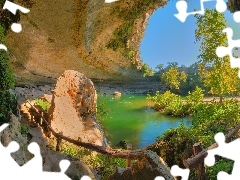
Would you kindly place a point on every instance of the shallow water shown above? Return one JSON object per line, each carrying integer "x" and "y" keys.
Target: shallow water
{"x": 132, "y": 120}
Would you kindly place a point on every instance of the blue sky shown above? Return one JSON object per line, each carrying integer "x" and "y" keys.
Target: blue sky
{"x": 166, "y": 39}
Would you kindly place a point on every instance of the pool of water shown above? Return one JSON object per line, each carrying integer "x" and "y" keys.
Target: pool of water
{"x": 131, "y": 119}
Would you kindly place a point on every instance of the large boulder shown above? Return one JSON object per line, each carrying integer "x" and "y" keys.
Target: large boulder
{"x": 73, "y": 108}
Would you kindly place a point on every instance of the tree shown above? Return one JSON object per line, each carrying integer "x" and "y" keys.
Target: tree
{"x": 216, "y": 73}
{"x": 173, "y": 77}
{"x": 146, "y": 70}
{"x": 160, "y": 67}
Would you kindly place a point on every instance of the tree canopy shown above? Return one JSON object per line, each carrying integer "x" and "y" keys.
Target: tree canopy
{"x": 172, "y": 77}
{"x": 215, "y": 72}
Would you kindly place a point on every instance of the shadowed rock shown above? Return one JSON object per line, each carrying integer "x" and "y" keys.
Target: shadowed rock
{"x": 149, "y": 166}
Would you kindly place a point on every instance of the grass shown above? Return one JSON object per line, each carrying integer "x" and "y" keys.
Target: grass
{"x": 103, "y": 164}
{"x": 23, "y": 130}
{"x": 45, "y": 105}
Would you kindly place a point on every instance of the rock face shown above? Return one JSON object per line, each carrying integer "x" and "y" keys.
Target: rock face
{"x": 59, "y": 35}
{"x": 73, "y": 108}
{"x": 149, "y": 166}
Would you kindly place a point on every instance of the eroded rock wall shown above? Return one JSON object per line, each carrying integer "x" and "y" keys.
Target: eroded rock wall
{"x": 59, "y": 35}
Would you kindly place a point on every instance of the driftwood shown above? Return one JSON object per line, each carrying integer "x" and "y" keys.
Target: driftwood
{"x": 127, "y": 154}
{"x": 194, "y": 162}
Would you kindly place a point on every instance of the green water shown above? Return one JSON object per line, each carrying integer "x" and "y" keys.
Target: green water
{"x": 131, "y": 120}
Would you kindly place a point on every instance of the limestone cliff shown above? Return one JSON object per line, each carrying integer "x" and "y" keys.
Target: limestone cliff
{"x": 98, "y": 39}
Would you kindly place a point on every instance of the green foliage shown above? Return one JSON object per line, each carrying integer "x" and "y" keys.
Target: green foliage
{"x": 8, "y": 103}
{"x": 106, "y": 165}
{"x": 146, "y": 70}
{"x": 173, "y": 77}
{"x": 161, "y": 101}
{"x": 207, "y": 120}
{"x": 215, "y": 72}
{"x": 6, "y": 75}
{"x": 71, "y": 150}
{"x": 196, "y": 96}
{"x": 168, "y": 103}
{"x": 45, "y": 105}
{"x": 120, "y": 36}
{"x": 102, "y": 110}
{"x": 192, "y": 81}
{"x": 222, "y": 165}
{"x": 23, "y": 130}
{"x": 176, "y": 108}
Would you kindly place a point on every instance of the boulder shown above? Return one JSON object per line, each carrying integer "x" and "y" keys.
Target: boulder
{"x": 117, "y": 93}
{"x": 73, "y": 103}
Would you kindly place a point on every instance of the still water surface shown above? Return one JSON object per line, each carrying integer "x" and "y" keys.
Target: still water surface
{"x": 132, "y": 120}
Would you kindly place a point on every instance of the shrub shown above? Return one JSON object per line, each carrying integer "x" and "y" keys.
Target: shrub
{"x": 8, "y": 103}
{"x": 45, "y": 105}
{"x": 176, "y": 108}
{"x": 222, "y": 165}
{"x": 6, "y": 75}
{"x": 161, "y": 101}
{"x": 196, "y": 96}
{"x": 102, "y": 110}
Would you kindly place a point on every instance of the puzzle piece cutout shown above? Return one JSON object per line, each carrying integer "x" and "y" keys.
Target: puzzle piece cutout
{"x": 16, "y": 27}
{"x": 182, "y": 6}
{"x": 159, "y": 178}
{"x": 110, "y": 1}
{"x": 33, "y": 168}
{"x": 227, "y": 150}
{"x": 222, "y": 51}
{"x": 177, "y": 171}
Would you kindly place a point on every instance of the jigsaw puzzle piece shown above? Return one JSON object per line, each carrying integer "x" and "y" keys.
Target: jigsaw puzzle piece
{"x": 226, "y": 150}
{"x": 223, "y": 176}
{"x": 88, "y": 178}
{"x": 4, "y": 126}
{"x": 177, "y": 171}
{"x": 221, "y": 6}
{"x": 7, "y": 162}
{"x": 182, "y": 6}
{"x": 2, "y": 46}
{"x": 35, "y": 162}
{"x": 222, "y": 51}
{"x": 16, "y": 27}
{"x": 236, "y": 17}
{"x": 14, "y": 7}
{"x": 159, "y": 178}
{"x": 110, "y": 1}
